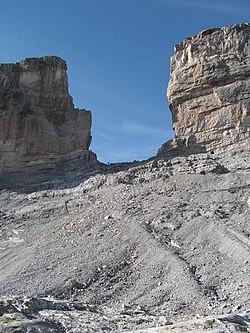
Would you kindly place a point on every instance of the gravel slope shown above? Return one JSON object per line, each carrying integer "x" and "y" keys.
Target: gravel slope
{"x": 172, "y": 237}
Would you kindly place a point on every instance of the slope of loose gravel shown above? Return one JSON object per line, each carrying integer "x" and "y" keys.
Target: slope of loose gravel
{"x": 170, "y": 236}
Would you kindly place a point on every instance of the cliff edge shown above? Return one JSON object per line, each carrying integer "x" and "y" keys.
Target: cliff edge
{"x": 40, "y": 129}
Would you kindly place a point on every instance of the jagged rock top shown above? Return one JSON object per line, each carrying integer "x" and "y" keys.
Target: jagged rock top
{"x": 242, "y": 27}
{"x": 47, "y": 73}
{"x": 36, "y": 62}
{"x": 39, "y": 126}
{"x": 208, "y": 89}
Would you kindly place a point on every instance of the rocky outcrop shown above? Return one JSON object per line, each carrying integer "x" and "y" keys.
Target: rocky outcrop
{"x": 209, "y": 91}
{"x": 40, "y": 129}
{"x": 56, "y": 316}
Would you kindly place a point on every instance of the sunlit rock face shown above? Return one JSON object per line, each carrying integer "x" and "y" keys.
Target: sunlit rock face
{"x": 39, "y": 127}
{"x": 209, "y": 91}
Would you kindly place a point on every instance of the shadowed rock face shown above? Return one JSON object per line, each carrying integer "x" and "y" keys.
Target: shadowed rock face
{"x": 40, "y": 128}
{"x": 209, "y": 90}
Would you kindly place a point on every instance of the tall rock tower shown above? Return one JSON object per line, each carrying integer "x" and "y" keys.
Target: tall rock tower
{"x": 39, "y": 127}
{"x": 209, "y": 91}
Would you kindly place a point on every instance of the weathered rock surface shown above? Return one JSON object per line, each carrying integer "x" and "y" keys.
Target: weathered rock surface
{"x": 209, "y": 91}
{"x": 54, "y": 316}
{"x": 222, "y": 324}
{"x": 40, "y": 128}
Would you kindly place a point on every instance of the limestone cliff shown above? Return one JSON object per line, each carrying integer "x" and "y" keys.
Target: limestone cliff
{"x": 40, "y": 128}
{"x": 209, "y": 91}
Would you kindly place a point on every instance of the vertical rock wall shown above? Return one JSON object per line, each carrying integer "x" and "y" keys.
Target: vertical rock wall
{"x": 209, "y": 91}
{"x": 39, "y": 127}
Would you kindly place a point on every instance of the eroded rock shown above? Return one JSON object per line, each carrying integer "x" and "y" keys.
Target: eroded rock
{"x": 40, "y": 128}
{"x": 52, "y": 316}
{"x": 208, "y": 91}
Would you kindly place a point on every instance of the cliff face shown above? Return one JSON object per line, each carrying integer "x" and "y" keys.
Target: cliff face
{"x": 39, "y": 127}
{"x": 209, "y": 90}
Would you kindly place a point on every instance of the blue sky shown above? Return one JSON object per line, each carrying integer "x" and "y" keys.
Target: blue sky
{"x": 118, "y": 54}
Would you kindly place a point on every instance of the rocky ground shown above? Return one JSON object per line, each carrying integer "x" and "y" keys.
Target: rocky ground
{"x": 128, "y": 246}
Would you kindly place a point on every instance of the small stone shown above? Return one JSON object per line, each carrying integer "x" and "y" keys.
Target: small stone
{"x": 236, "y": 308}
{"x": 175, "y": 244}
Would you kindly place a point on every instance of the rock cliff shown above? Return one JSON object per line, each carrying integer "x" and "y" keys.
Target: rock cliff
{"x": 40, "y": 129}
{"x": 164, "y": 242}
{"x": 209, "y": 91}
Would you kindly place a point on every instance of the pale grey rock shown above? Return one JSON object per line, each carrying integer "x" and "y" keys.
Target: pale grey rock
{"x": 26, "y": 315}
{"x": 222, "y": 324}
{"x": 208, "y": 92}
{"x": 39, "y": 127}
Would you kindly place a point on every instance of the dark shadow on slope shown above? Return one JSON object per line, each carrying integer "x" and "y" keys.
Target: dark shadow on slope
{"x": 27, "y": 182}
{"x": 65, "y": 179}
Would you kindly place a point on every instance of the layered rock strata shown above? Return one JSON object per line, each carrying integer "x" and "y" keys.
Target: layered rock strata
{"x": 209, "y": 91}
{"x": 40, "y": 129}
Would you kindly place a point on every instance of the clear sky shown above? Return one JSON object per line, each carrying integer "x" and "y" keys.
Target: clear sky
{"x": 118, "y": 54}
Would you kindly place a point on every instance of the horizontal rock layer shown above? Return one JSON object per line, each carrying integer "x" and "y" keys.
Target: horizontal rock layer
{"x": 209, "y": 90}
{"x": 40, "y": 128}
